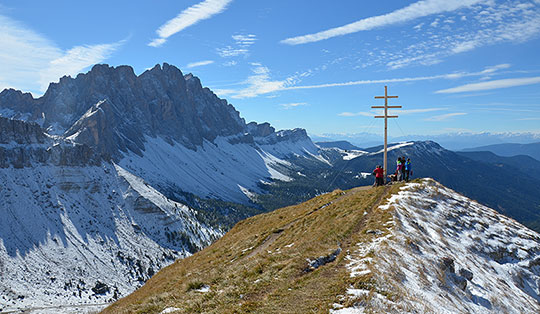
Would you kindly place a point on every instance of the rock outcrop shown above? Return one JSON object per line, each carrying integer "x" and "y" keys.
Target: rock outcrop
{"x": 25, "y": 144}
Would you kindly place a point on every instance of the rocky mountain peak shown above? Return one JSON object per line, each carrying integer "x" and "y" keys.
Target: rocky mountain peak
{"x": 260, "y": 130}
{"x": 158, "y": 102}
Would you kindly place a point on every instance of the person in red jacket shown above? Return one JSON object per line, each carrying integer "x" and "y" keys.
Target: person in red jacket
{"x": 379, "y": 176}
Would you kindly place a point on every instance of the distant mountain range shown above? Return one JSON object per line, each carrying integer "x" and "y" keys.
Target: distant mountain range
{"x": 451, "y": 141}
{"x": 510, "y": 149}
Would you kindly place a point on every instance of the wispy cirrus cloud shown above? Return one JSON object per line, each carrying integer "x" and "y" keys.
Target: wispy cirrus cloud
{"x": 485, "y": 24}
{"x": 230, "y": 51}
{"x": 245, "y": 40}
{"x": 489, "y": 85}
{"x": 529, "y": 119}
{"x": 30, "y": 61}
{"x": 356, "y": 114}
{"x": 199, "y": 64}
{"x": 292, "y": 105}
{"x": 260, "y": 82}
{"x": 445, "y": 116}
{"x": 241, "y": 46}
{"x": 393, "y": 112}
{"x": 190, "y": 16}
{"x": 408, "y": 13}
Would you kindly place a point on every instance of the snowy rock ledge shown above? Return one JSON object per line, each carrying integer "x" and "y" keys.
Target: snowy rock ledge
{"x": 445, "y": 254}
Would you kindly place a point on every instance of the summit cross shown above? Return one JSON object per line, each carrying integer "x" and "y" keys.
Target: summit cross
{"x": 386, "y": 117}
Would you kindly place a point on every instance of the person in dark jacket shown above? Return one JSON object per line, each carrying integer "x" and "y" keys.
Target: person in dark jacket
{"x": 408, "y": 169}
{"x": 379, "y": 176}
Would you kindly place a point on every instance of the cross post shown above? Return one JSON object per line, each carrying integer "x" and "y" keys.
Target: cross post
{"x": 386, "y": 117}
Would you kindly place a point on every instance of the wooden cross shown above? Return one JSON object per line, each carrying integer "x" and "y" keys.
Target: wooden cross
{"x": 386, "y": 116}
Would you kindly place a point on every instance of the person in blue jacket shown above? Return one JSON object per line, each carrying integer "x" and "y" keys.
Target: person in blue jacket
{"x": 408, "y": 169}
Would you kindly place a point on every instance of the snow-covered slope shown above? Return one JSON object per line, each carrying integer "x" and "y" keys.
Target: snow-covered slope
{"x": 444, "y": 253}
{"x": 86, "y": 235}
{"x": 214, "y": 170}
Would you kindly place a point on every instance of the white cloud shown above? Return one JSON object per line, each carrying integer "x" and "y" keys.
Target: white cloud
{"x": 190, "y": 16}
{"x": 365, "y": 82}
{"x": 292, "y": 105}
{"x": 230, "y": 63}
{"x": 495, "y": 84}
{"x": 29, "y": 61}
{"x": 245, "y": 40}
{"x": 445, "y": 116}
{"x": 75, "y": 60}
{"x": 356, "y": 114}
{"x": 413, "y": 111}
{"x": 486, "y": 24}
{"x": 495, "y": 68}
{"x": 260, "y": 82}
{"x": 392, "y": 112}
{"x": 230, "y": 51}
{"x": 411, "y": 12}
{"x": 240, "y": 47}
{"x": 199, "y": 63}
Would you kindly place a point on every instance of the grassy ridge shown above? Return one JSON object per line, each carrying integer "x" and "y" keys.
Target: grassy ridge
{"x": 259, "y": 266}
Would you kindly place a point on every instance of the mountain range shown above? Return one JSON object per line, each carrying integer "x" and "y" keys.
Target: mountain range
{"x": 451, "y": 141}
{"x": 111, "y": 176}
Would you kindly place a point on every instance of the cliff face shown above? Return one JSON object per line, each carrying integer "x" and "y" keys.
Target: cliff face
{"x": 25, "y": 144}
{"x": 20, "y": 132}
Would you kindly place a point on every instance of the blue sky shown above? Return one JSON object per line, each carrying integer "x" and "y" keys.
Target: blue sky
{"x": 457, "y": 66}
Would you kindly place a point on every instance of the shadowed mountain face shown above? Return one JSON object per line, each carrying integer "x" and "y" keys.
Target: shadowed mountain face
{"x": 528, "y": 166}
{"x": 510, "y": 149}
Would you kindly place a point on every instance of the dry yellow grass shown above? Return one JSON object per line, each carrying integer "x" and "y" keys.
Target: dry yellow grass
{"x": 259, "y": 265}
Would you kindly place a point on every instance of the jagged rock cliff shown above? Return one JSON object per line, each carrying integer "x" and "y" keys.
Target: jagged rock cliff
{"x": 111, "y": 108}
{"x": 26, "y": 145}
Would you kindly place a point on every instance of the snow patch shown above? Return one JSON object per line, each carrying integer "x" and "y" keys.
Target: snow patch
{"x": 446, "y": 254}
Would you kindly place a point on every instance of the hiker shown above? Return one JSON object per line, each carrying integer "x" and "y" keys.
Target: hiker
{"x": 408, "y": 169}
{"x": 399, "y": 169}
{"x": 379, "y": 176}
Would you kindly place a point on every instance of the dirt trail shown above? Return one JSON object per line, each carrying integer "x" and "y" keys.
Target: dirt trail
{"x": 273, "y": 237}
